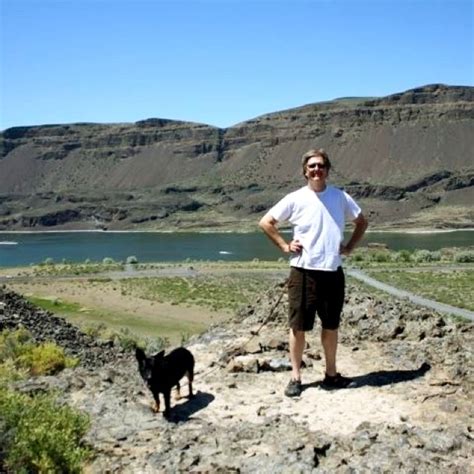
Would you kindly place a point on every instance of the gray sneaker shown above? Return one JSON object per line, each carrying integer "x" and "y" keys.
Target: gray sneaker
{"x": 293, "y": 389}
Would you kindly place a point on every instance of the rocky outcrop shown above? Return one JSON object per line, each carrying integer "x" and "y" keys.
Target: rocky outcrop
{"x": 409, "y": 411}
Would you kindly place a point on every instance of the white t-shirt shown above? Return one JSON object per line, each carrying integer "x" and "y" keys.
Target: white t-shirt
{"x": 318, "y": 221}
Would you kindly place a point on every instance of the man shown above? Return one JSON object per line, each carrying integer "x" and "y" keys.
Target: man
{"x": 316, "y": 284}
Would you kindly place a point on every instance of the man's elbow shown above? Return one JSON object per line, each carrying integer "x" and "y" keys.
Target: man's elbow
{"x": 265, "y": 223}
{"x": 262, "y": 223}
{"x": 362, "y": 222}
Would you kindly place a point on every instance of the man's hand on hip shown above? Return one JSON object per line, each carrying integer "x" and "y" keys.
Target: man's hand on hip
{"x": 294, "y": 246}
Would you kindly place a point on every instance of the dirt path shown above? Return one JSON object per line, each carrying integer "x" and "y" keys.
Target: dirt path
{"x": 255, "y": 396}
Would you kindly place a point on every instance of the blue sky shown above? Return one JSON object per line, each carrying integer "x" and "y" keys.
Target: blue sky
{"x": 220, "y": 62}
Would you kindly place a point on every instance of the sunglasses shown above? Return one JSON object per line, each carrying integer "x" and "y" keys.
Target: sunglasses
{"x": 320, "y": 166}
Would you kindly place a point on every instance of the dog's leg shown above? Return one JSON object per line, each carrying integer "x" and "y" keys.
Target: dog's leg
{"x": 156, "y": 408}
{"x": 190, "y": 376}
{"x": 178, "y": 392}
{"x": 167, "y": 396}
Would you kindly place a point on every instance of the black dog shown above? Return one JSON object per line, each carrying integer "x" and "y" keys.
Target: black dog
{"x": 161, "y": 373}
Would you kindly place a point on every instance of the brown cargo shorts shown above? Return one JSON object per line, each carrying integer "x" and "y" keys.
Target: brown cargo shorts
{"x": 315, "y": 291}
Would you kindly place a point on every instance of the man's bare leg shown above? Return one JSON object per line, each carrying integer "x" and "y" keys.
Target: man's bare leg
{"x": 329, "y": 343}
{"x": 297, "y": 342}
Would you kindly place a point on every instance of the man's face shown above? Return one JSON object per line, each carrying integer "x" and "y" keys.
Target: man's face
{"x": 316, "y": 170}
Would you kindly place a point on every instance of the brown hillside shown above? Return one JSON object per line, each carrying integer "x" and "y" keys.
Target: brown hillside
{"x": 407, "y": 158}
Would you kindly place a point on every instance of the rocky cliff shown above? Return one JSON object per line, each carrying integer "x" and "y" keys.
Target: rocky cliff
{"x": 407, "y": 158}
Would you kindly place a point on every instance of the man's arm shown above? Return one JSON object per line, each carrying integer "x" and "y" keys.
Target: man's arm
{"x": 361, "y": 224}
{"x": 269, "y": 225}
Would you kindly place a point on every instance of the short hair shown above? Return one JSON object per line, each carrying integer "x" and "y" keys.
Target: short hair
{"x": 311, "y": 154}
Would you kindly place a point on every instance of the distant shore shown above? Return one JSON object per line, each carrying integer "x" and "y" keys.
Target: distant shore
{"x": 227, "y": 231}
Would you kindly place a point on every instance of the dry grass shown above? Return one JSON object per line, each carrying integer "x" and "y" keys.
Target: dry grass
{"x": 453, "y": 287}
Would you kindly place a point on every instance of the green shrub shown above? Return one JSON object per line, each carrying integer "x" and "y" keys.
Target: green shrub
{"x": 45, "y": 359}
{"x": 448, "y": 253}
{"x": 95, "y": 330}
{"x": 402, "y": 256}
{"x": 157, "y": 344}
{"x": 12, "y": 344}
{"x": 380, "y": 256}
{"x": 466, "y": 256}
{"x": 125, "y": 339}
{"x": 422, "y": 256}
{"x": 436, "y": 256}
{"x": 18, "y": 352}
{"x": 357, "y": 257}
{"x": 9, "y": 372}
{"x": 38, "y": 435}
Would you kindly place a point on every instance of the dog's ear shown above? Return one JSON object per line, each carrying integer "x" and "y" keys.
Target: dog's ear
{"x": 139, "y": 354}
{"x": 159, "y": 355}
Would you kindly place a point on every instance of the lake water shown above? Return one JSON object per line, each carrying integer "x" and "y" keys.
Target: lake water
{"x": 19, "y": 249}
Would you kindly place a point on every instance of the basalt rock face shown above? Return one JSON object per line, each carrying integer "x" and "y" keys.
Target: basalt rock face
{"x": 400, "y": 155}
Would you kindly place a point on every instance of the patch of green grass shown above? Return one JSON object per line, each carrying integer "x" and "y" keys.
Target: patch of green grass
{"x": 90, "y": 268}
{"x": 75, "y": 269}
{"x": 218, "y": 293}
{"x": 453, "y": 287}
{"x": 55, "y": 305}
{"x": 149, "y": 327}
{"x": 114, "y": 323}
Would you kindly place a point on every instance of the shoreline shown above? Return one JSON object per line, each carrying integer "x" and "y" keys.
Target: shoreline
{"x": 256, "y": 231}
